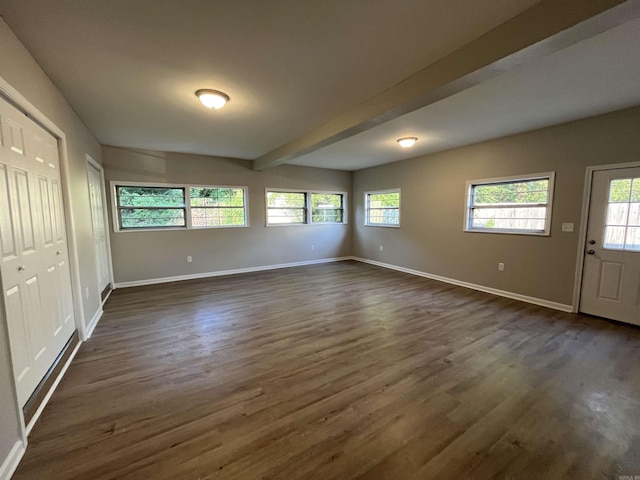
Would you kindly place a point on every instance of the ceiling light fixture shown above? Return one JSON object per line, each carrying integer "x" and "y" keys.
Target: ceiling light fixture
{"x": 407, "y": 142}
{"x": 212, "y": 98}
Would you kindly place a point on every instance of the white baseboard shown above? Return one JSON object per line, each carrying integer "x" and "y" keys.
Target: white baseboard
{"x": 10, "y": 463}
{"x": 219, "y": 273}
{"x": 494, "y": 291}
{"x": 52, "y": 389}
{"x": 92, "y": 324}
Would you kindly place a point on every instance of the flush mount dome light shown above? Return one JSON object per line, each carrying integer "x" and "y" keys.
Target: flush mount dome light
{"x": 212, "y": 98}
{"x": 407, "y": 142}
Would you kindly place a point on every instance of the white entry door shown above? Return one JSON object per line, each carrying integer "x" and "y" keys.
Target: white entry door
{"x": 611, "y": 280}
{"x": 34, "y": 268}
{"x": 96, "y": 197}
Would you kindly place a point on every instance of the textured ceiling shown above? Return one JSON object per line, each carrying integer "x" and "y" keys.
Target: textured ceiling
{"x": 130, "y": 70}
{"x": 596, "y": 76}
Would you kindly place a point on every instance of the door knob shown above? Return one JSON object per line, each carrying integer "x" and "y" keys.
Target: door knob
{"x": 592, "y": 242}
{"x": 58, "y": 253}
{"x": 22, "y": 268}
{"x": 590, "y": 252}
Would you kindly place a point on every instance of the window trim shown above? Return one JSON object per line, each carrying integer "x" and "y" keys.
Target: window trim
{"x": 245, "y": 206}
{"x": 115, "y": 209}
{"x": 612, "y": 178}
{"x": 307, "y": 208}
{"x": 367, "y": 223}
{"x": 468, "y": 208}
{"x": 328, "y": 192}
{"x": 286, "y": 190}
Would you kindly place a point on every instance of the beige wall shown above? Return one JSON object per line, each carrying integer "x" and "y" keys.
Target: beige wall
{"x": 9, "y": 420}
{"x": 149, "y": 255}
{"x": 20, "y": 70}
{"x": 433, "y": 194}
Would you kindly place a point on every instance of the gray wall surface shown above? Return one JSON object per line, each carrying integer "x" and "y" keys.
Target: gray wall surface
{"x": 139, "y": 255}
{"x": 431, "y": 237}
{"x": 9, "y": 420}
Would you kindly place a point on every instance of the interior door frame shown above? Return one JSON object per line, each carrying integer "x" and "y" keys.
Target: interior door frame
{"x": 107, "y": 225}
{"x": 11, "y": 95}
{"x": 584, "y": 224}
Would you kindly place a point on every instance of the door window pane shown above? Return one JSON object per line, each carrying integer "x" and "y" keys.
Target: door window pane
{"x": 622, "y": 227}
{"x": 620, "y": 190}
{"x": 617, "y": 214}
{"x": 614, "y": 237}
{"x": 635, "y": 192}
{"x": 634, "y": 214}
{"x": 633, "y": 238}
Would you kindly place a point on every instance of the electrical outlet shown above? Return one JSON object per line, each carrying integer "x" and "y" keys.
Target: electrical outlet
{"x": 501, "y": 267}
{"x": 380, "y": 247}
{"x": 313, "y": 247}
{"x": 189, "y": 259}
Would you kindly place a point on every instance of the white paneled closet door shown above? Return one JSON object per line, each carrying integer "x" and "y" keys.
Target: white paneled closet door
{"x": 99, "y": 227}
{"x": 34, "y": 266}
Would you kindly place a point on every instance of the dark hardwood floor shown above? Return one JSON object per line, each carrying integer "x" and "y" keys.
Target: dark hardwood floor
{"x": 341, "y": 371}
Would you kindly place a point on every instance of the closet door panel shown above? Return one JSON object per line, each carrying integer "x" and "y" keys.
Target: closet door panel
{"x": 34, "y": 267}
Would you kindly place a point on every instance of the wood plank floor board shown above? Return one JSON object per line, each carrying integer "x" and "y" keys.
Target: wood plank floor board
{"x": 341, "y": 371}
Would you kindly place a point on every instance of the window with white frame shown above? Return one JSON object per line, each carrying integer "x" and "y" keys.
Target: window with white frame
{"x": 145, "y": 207}
{"x": 383, "y": 208}
{"x": 327, "y": 208}
{"x": 217, "y": 207}
{"x": 154, "y": 206}
{"x": 520, "y": 205}
{"x": 292, "y": 207}
{"x": 286, "y": 208}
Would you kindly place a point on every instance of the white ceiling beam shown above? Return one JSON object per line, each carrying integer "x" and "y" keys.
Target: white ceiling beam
{"x": 541, "y": 30}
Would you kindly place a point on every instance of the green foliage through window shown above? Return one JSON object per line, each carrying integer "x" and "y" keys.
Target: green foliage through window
{"x": 326, "y": 208}
{"x": 145, "y": 207}
{"x": 383, "y": 208}
{"x": 151, "y": 207}
{"x": 529, "y": 192}
{"x": 286, "y": 207}
{"x": 624, "y": 190}
{"x": 622, "y": 228}
{"x": 217, "y": 207}
{"x": 304, "y": 207}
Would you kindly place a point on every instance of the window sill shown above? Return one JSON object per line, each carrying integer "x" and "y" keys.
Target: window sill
{"x": 175, "y": 229}
{"x": 303, "y": 224}
{"x": 509, "y": 232}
